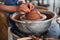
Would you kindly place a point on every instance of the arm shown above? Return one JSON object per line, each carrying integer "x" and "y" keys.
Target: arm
{"x": 7, "y": 8}
{"x": 23, "y": 7}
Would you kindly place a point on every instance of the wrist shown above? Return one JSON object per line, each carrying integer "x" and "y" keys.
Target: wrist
{"x": 17, "y": 8}
{"x": 13, "y": 9}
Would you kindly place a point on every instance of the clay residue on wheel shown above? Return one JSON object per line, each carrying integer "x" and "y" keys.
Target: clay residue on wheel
{"x": 17, "y": 17}
{"x": 49, "y": 15}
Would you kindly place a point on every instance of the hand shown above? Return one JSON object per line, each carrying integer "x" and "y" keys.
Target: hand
{"x": 31, "y": 6}
{"x": 35, "y": 38}
{"x": 24, "y": 7}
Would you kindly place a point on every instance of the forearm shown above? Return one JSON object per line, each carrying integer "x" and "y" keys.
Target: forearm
{"x": 8, "y": 8}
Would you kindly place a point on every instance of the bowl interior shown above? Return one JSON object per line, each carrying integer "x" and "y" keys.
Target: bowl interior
{"x": 48, "y": 16}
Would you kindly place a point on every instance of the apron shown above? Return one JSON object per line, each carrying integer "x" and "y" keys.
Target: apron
{"x": 3, "y": 26}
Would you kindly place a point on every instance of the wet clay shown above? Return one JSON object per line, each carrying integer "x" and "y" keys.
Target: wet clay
{"x": 49, "y": 16}
{"x": 33, "y": 15}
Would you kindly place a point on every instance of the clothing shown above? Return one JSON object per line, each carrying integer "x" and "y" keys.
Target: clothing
{"x": 54, "y": 30}
{"x": 10, "y": 3}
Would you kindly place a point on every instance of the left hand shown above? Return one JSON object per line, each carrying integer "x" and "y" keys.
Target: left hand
{"x": 31, "y": 6}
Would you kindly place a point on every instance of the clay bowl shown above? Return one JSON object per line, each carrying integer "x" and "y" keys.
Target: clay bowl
{"x": 33, "y": 15}
{"x": 37, "y": 26}
{"x": 42, "y": 18}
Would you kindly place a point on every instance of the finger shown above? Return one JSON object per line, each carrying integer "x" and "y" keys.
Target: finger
{"x": 25, "y": 10}
{"x": 21, "y": 9}
{"x": 23, "y": 5}
{"x": 31, "y": 7}
{"x": 28, "y": 10}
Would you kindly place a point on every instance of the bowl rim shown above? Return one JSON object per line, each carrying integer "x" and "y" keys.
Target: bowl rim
{"x": 12, "y": 18}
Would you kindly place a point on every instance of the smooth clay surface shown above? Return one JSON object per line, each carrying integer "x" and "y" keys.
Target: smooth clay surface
{"x": 33, "y": 15}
